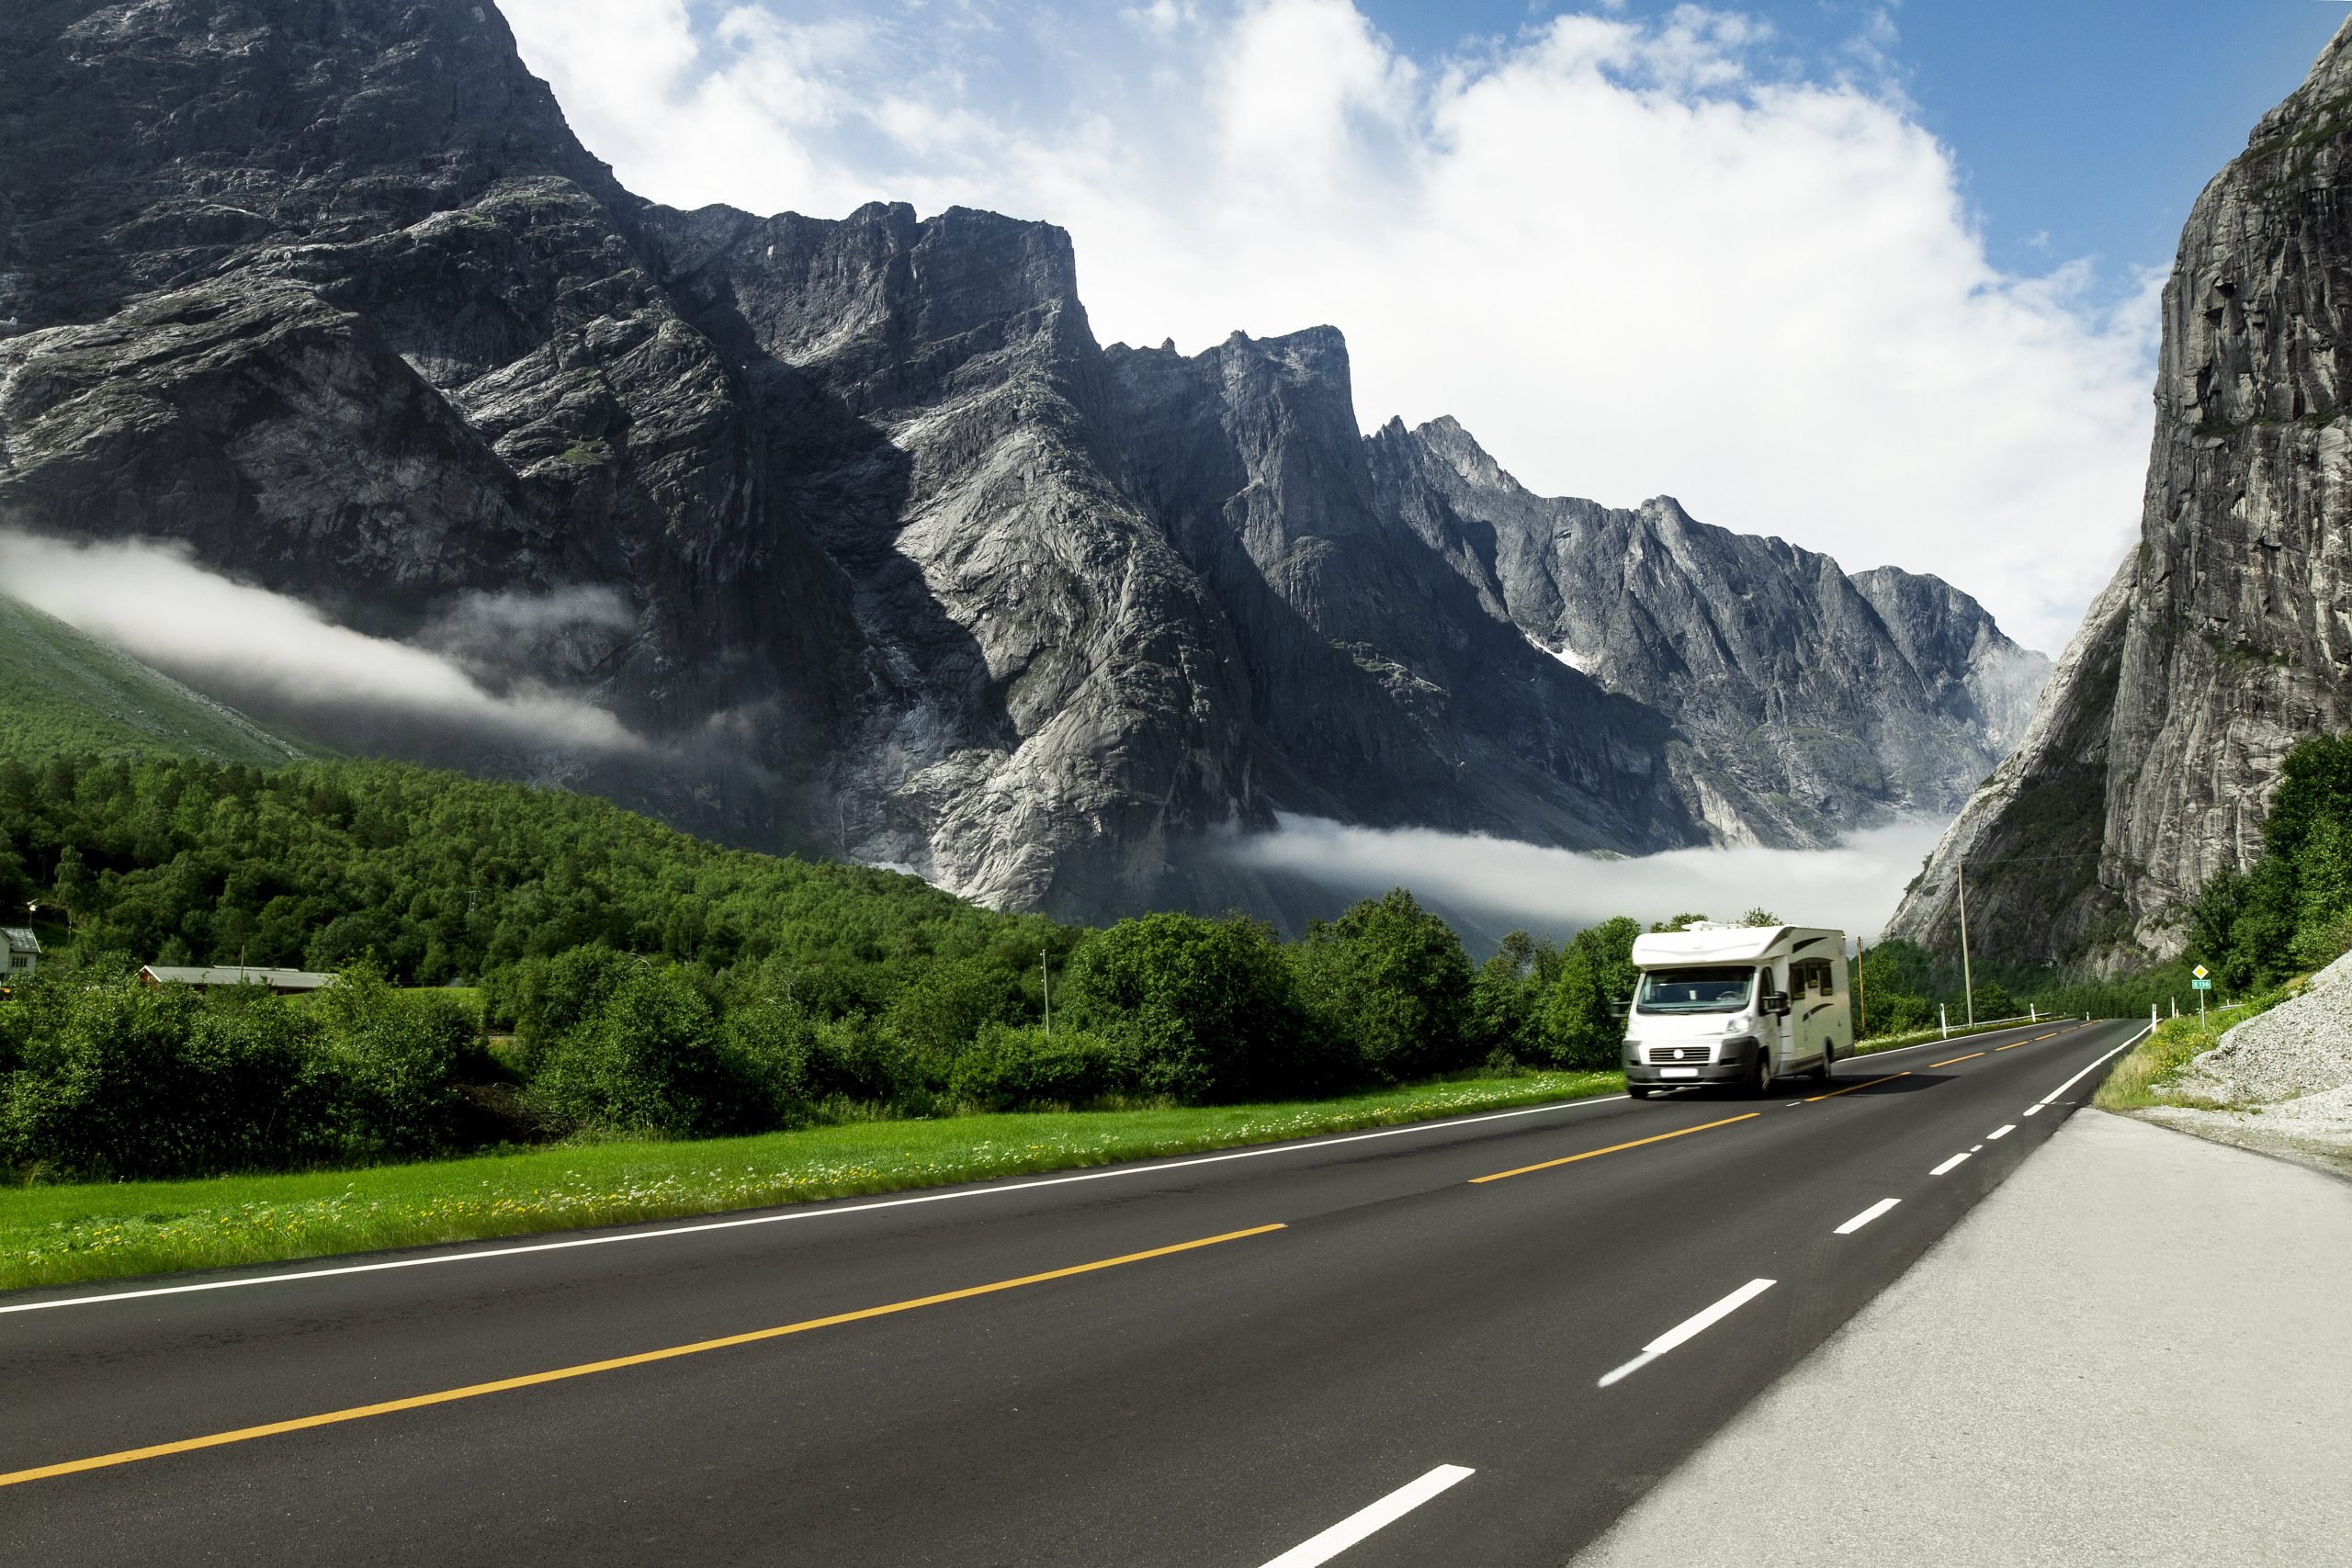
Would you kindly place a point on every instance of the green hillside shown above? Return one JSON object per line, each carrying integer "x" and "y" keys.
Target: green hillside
{"x": 61, "y": 692}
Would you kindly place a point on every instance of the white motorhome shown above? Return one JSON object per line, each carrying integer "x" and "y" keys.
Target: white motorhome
{"x": 1739, "y": 1005}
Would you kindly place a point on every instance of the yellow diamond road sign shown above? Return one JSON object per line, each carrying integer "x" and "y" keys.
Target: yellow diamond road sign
{"x": 2200, "y": 971}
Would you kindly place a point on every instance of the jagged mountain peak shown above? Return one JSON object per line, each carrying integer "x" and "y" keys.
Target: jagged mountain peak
{"x": 905, "y": 567}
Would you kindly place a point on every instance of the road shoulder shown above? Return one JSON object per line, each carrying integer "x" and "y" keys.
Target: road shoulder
{"x": 2134, "y": 1351}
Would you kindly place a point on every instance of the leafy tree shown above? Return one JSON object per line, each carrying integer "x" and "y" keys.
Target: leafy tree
{"x": 1505, "y": 996}
{"x": 648, "y": 1059}
{"x": 1008, "y": 1067}
{"x": 400, "y": 1057}
{"x": 1580, "y": 1027}
{"x": 1392, "y": 978}
{"x": 1679, "y": 923}
{"x": 1993, "y": 1000}
{"x": 1207, "y": 1010}
{"x": 1760, "y": 917}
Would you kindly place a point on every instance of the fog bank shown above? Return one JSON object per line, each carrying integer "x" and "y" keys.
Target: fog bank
{"x": 1496, "y": 884}
{"x": 250, "y": 645}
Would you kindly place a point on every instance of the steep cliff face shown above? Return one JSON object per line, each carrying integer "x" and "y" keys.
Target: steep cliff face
{"x": 2227, "y": 635}
{"x": 1808, "y": 702}
{"x": 853, "y": 520}
{"x": 1377, "y": 691}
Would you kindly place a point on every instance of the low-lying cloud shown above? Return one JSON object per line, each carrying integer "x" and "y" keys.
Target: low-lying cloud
{"x": 1496, "y": 884}
{"x": 154, "y": 600}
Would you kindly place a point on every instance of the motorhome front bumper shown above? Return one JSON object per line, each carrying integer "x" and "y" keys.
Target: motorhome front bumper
{"x": 1648, "y": 1076}
{"x": 1733, "y": 1063}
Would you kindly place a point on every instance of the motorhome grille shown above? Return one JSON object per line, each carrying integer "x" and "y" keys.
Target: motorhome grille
{"x": 1680, "y": 1053}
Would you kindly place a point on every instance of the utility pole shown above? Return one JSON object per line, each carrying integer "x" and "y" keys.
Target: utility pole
{"x": 1047, "y": 978}
{"x": 1861, "y": 1001}
{"x": 1967, "y": 981}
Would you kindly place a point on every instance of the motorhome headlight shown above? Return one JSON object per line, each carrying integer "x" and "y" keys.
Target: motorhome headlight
{"x": 1737, "y": 1026}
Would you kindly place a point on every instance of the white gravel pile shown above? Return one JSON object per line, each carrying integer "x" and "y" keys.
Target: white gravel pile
{"x": 2298, "y": 1048}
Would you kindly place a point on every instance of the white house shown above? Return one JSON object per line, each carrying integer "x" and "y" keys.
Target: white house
{"x": 23, "y": 954}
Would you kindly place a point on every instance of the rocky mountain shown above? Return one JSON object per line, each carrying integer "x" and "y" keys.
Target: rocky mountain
{"x": 852, "y": 522}
{"x": 2226, "y": 636}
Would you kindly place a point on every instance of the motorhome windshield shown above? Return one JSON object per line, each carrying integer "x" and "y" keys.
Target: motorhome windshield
{"x": 1695, "y": 990}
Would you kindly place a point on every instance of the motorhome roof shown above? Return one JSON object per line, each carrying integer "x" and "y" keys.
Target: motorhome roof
{"x": 1721, "y": 945}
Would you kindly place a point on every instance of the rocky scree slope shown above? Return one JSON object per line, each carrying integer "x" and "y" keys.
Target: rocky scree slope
{"x": 852, "y": 520}
{"x": 2226, "y": 635}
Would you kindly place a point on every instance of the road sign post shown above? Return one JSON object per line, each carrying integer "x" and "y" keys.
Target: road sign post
{"x": 2202, "y": 985}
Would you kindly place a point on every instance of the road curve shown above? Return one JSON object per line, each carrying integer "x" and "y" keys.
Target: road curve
{"x": 1474, "y": 1341}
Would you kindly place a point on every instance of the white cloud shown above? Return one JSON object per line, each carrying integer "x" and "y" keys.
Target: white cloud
{"x": 153, "y": 600}
{"x": 1632, "y": 257}
{"x": 1501, "y": 883}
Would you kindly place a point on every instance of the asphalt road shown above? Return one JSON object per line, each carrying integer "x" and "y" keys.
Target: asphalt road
{"x": 1210, "y": 1361}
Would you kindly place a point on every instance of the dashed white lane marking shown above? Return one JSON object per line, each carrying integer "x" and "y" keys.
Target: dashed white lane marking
{"x": 1690, "y": 1328}
{"x": 1952, "y": 1163}
{"x": 2031, "y": 1109}
{"x": 2003, "y": 1131}
{"x": 1379, "y": 1515}
{"x": 1866, "y": 1216}
{"x": 809, "y": 1212}
{"x": 1976, "y": 1148}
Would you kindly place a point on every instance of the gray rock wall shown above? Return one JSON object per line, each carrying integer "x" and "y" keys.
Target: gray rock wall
{"x": 2227, "y": 633}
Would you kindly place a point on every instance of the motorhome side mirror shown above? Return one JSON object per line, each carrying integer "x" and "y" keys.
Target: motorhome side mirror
{"x": 1619, "y": 1009}
{"x": 1777, "y": 1001}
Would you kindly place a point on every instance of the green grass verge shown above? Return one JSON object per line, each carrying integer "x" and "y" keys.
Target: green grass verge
{"x": 2143, "y": 1077}
{"x": 58, "y": 1235}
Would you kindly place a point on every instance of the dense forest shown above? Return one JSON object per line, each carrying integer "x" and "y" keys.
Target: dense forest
{"x": 522, "y": 963}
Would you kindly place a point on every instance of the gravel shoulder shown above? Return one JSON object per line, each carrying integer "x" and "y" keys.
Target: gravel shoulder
{"x": 2134, "y": 1351}
{"x": 2279, "y": 1084}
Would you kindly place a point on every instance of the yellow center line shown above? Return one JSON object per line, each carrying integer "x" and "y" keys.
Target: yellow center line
{"x": 1948, "y": 1061}
{"x": 587, "y": 1368}
{"x": 1852, "y": 1087}
{"x": 1613, "y": 1149}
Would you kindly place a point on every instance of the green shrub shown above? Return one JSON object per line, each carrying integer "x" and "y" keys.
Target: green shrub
{"x": 648, "y": 1059}
{"x": 769, "y": 1042}
{"x": 398, "y": 1058}
{"x": 116, "y": 1079}
{"x": 945, "y": 1006}
{"x": 1206, "y": 1010}
{"x": 1392, "y": 980}
{"x": 1010, "y": 1066}
{"x": 858, "y": 1058}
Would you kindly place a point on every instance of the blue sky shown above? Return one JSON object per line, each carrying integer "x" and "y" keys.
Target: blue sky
{"x": 2084, "y": 128}
{"x": 1881, "y": 280}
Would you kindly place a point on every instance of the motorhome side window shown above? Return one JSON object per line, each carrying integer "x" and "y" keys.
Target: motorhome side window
{"x": 1812, "y": 976}
{"x": 1709, "y": 989}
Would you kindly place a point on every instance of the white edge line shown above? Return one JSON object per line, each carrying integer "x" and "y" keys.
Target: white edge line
{"x": 813, "y": 1211}
{"x": 1689, "y": 1328}
{"x": 1866, "y": 1216}
{"x": 2086, "y": 1071}
{"x": 1377, "y": 1516}
{"x": 1951, "y": 1163}
{"x": 2003, "y": 1131}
